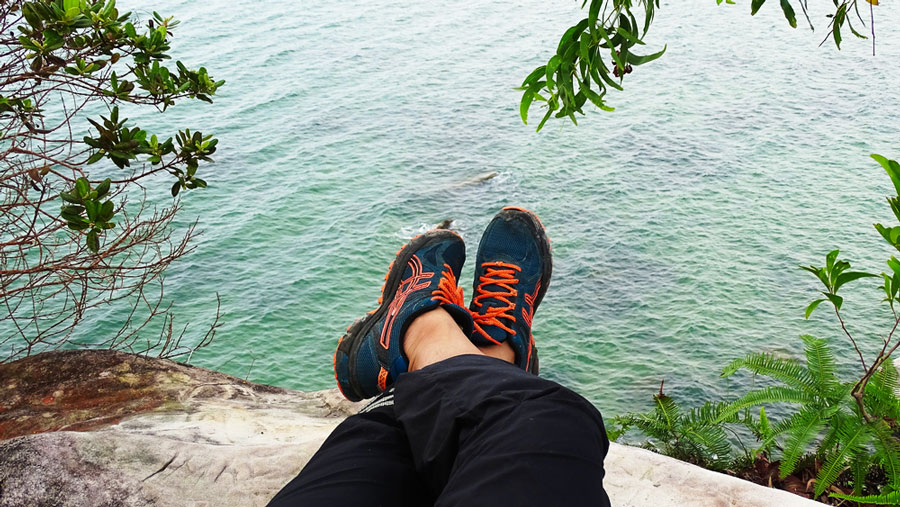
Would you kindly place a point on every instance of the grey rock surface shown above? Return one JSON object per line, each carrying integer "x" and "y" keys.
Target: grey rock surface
{"x": 240, "y": 452}
{"x": 211, "y": 439}
{"x": 214, "y": 452}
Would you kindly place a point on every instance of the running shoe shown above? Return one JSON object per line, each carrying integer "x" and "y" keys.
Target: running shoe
{"x": 511, "y": 277}
{"x": 423, "y": 276}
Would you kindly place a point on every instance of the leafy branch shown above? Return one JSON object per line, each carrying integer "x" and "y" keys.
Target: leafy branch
{"x": 594, "y": 55}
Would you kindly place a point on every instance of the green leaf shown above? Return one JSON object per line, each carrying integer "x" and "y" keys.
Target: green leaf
{"x": 592, "y": 96}
{"x": 92, "y": 210}
{"x": 634, "y": 59}
{"x": 78, "y": 225}
{"x": 755, "y": 5}
{"x": 838, "y": 21}
{"x": 830, "y": 258}
{"x": 551, "y": 67}
{"x": 527, "y": 99}
{"x": 95, "y": 157}
{"x": 584, "y": 48}
{"x": 103, "y": 187}
{"x": 106, "y": 211}
{"x": 93, "y": 242}
{"x": 819, "y": 272}
{"x": 571, "y": 35}
{"x": 789, "y": 13}
{"x": 74, "y": 199}
{"x": 628, "y": 36}
{"x": 593, "y": 14}
{"x": 836, "y": 300}
{"x": 176, "y": 188}
{"x": 544, "y": 120}
{"x": 72, "y": 210}
{"x": 892, "y": 168}
{"x": 536, "y": 73}
{"x": 612, "y": 49}
{"x": 83, "y": 187}
{"x": 849, "y": 276}
{"x": 894, "y": 264}
{"x": 812, "y": 306}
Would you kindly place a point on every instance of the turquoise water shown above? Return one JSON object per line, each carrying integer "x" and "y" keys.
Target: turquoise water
{"x": 677, "y": 221}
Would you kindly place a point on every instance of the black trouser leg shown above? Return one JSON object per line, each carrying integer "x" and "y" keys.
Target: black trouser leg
{"x": 365, "y": 462}
{"x": 483, "y": 432}
{"x": 470, "y": 430}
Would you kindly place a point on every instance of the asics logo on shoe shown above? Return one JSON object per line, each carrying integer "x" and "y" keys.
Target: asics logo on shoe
{"x": 418, "y": 280}
{"x": 528, "y": 313}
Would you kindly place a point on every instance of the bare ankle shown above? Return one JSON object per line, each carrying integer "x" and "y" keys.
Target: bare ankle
{"x": 432, "y": 337}
{"x": 503, "y": 351}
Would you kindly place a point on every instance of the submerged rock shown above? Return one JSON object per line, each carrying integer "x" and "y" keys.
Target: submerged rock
{"x": 107, "y": 428}
{"x": 445, "y": 224}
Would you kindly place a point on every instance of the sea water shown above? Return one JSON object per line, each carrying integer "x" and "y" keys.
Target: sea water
{"x": 678, "y": 221}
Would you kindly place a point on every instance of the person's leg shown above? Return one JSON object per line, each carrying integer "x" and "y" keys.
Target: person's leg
{"x": 365, "y": 461}
{"x": 483, "y": 431}
{"x": 477, "y": 429}
{"x": 474, "y": 429}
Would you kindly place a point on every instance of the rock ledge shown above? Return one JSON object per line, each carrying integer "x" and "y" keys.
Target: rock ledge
{"x": 108, "y": 428}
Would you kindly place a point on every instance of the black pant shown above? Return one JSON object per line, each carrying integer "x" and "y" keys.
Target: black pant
{"x": 468, "y": 431}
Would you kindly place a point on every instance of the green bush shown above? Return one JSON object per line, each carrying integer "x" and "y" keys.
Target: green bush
{"x": 849, "y": 427}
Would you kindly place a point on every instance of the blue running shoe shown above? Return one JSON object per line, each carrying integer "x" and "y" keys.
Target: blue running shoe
{"x": 511, "y": 278}
{"x": 369, "y": 357}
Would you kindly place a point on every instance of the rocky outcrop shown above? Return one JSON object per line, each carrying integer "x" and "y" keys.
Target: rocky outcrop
{"x": 106, "y": 428}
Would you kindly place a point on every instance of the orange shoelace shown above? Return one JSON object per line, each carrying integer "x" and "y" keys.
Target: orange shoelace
{"x": 502, "y": 275}
{"x": 448, "y": 292}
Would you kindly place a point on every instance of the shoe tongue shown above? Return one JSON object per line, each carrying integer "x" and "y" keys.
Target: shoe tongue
{"x": 496, "y": 332}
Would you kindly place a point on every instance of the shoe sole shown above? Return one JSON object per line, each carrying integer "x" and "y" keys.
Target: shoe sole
{"x": 351, "y": 341}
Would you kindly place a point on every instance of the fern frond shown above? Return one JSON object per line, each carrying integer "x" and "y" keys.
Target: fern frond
{"x": 881, "y": 398}
{"x": 859, "y": 465}
{"x": 771, "y": 394}
{"x": 852, "y": 438}
{"x": 712, "y": 440}
{"x": 886, "y": 377}
{"x": 831, "y": 440}
{"x": 892, "y": 498}
{"x": 836, "y": 395}
{"x": 708, "y": 414}
{"x": 652, "y": 427}
{"x": 615, "y": 428}
{"x": 820, "y": 362}
{"x": 881, "y": 402}
{"x": 666, "y": 410}
{"x": 887, "y": 451}
{"x": 803, "y": 428}
{"x": 765, "y": 429}
{"x": 789, "y": 371}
